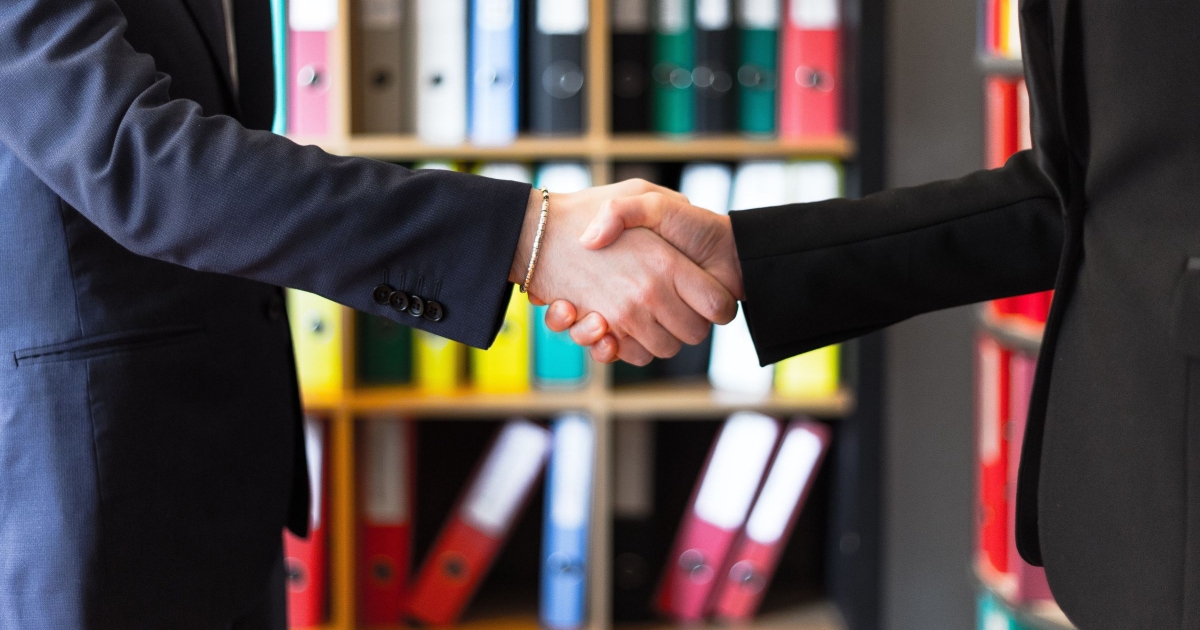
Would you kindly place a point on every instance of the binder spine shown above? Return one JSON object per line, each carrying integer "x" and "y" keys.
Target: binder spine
{"x": 279, "y": 49}
{"x": 713, "y": 77}
{"x": 565, "y": 564}
{"x": 493, "y": 75}
{"x": 556, "y": 83}
{"x": 441, "y": 36}
{"x": 558, "y": 362}
{"x": 757, "y": 81}
{"x": 383, "y": 87}
{"x": 674, "y": 60}
{"x": 631, "y": 82}
{"x": 308, "y": 97}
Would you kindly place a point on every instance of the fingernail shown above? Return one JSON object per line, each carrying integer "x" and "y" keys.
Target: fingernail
{"x": 590, "y": 234}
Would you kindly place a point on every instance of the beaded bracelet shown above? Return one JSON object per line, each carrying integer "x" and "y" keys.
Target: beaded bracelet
{"x": 537, "y": 240}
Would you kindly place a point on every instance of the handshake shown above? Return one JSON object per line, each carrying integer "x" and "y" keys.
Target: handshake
{"x": 632, "y": 269}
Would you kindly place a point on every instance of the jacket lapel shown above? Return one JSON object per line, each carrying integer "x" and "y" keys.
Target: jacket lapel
{"x": 210, "y": 19}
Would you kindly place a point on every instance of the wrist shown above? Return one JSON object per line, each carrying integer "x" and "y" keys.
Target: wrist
{"x": 529, "y": 225}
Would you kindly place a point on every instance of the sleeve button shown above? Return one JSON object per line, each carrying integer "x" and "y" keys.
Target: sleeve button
{"x": 398, "y": 300}
{"x": 434, "y": 311}
{"x": 416, "y": 306}
{"x": 382, "y": 294}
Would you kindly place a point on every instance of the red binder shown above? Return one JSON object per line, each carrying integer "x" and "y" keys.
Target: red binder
{"x": 992, "y": 409}
{"x": 479, "y": 525}
{"x": 386, "y": 501}
{"x": 310, "y": 23}
{"x": 307, "y": 560}
{"x": 1029, "y": 581}
{"x": 810, "y": 99}
{"x": 751, "y": 564}
{"x": 1002, "y": 136}
{"x": 715, "y": 514}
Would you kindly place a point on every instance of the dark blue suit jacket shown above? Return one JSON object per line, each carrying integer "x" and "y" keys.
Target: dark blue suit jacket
{"x": 149, "y": 445}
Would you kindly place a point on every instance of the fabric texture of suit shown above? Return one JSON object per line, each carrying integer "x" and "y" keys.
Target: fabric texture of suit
{"x": 149, "y": 418}
{"x": 1103, "y": 210}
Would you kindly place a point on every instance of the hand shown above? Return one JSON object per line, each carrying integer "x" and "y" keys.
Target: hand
{"x": 648, "y": 293}
{"x": 704, "y": 236}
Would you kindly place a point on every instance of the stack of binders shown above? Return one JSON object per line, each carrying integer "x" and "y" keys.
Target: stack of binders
{"x": 999, "y": 29}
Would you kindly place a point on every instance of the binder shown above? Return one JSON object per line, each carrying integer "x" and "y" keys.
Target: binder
{"x": 438, "y": 362}
{"x": 504, "y": 368}
{"x": 716, "y": 61}
{"x": 631, "y": 51}
{"x": 306, "y": 560}
{"x": 734, "y": 364}
{"x": 494, "y": 72}
{"x": 752, "y": 562}
{"x": 441, "y": 36}
{"x": 1029, "y": 582}
{"x": 992, "y": 409}
{"x": 811, "y": 89}
{"x": 316, "y": 325}
{"x": 385, "y": 350}
{"x": 634, "y": 526}
{"x": 556, "y": 67}
{"x": 506, "y": 170}
{"x": 558, "y": 362}
{"x": 1012, "y": 29}
{"x": 674, "y": 60}
{"x": 816, "y": 373}
{"x": 383, "y": 91}
{"x": 994, "y": 615}
{"x": 474, "y": 533}
{"x": 311, "y": 23}
{"x": 716, "y": 513}
{"x": 279, "y": 52}
{"x": 758, "y": 67}
{"x": 563, "y": 597}
{"x": 386, "y": 471}
{"x": 1002, "y": 136}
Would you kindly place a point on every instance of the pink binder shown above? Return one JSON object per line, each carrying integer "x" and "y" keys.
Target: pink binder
{"x": 310, "y": 24}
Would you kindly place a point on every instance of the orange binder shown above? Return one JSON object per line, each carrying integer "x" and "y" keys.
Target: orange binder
{"x": 307, "y": 559}
{"x": 479, "y": 525}
{"x": 386, "y": 519}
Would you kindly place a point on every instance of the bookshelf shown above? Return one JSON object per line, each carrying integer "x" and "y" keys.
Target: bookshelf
{"x": 346, "y": 409}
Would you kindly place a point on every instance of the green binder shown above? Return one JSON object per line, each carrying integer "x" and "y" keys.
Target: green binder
{"x": 279, "y": 51}
{"x": 674, "y": 60}
{"x": 757, "y": 80}
{"x": 384, "y": 351}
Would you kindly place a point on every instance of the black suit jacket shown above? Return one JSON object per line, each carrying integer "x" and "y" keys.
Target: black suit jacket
{"x": 149, "y": 446}
{"x": 1103, "y": 210}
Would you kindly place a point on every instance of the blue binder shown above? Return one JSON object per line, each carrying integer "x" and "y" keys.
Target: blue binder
{"x": 494, "y": 75}
{"x": 558, "y": 363}
{"x": 279, "y": 50}
{"x": 565, "y": 539}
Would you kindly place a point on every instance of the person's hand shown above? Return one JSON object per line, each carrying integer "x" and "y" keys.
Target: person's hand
{"x": 649, "y": 295}
{"x": 704, "y": 236}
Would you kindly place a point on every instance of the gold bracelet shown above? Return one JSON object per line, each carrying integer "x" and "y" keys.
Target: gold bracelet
{"x": 537, "y": 240}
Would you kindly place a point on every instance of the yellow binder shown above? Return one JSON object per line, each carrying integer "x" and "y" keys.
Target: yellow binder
{"x": 810, "y": 374}
{"x": 504, "y": 368}
{"x": 437, "y": 362}
{"x": 317, "y": 339}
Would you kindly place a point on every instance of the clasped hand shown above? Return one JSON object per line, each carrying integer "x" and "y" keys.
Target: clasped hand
{"x": 634, "y": 270}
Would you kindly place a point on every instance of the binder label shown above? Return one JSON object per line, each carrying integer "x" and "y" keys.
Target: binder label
{"x": 496, "y": 15}
{"x": 510, "y": 467}
{"x": 312, "y": 15}
{"x": 387, "y": 468}
{"x": 760, "y": 14}
{"x": 573, "y": 470}
{"x": 631, "y": 16}
{"x": 785, "y": 483}
{"x": 736, "y": 467}
{"x": 562, "y": 17}
{"x": 672, "y": 16}
{"x": 381, "y": 14}
{"x": 816, "y": 14}
{"x": 314, "y": 445}
{"x": 712, "y": 15}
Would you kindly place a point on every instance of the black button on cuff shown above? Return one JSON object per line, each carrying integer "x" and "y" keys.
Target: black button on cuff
{"x": 434, "y": 311}
{"x": 398, "y": 300}
{"x": 416, "y": 306}
{"x": 382, "y": 294}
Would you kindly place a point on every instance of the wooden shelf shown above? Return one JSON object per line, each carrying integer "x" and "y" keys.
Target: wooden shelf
{"x": 692, "y": 401}
{"x": 822, "y": 615}
{"x": 1006, "y": 66}
{"x": 1042, "y": 615}
{"x": 467, "y": 403}
{"x": 604, "y": 148}
{"x": 1013, "y": 332}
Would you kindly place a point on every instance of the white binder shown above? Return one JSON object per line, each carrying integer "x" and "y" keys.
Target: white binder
{"x": 442, "y": 71}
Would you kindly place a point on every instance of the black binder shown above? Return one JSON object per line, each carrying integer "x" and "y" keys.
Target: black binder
{"x": 556, "y": 66}
{"x": 716, "y": 66}
{"x": 631, "y": 42}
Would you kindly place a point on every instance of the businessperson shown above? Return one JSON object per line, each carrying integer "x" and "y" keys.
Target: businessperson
{"x": 149, "y": 415}
{"x": 1105, "y": 210}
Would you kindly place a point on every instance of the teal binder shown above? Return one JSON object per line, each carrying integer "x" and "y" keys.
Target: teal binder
{"x": 757, "y": 80}
{"x": 674, "y": 60}
{"x": 279, "y": 51}
{"x": 558, "y": 362}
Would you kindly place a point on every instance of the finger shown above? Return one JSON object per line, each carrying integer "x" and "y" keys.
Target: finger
{"x": 560, "y": 316}
{"x": 617, "y": 215}
{"x": 651, "y": 335}
{"x": 633, "y": 353}
{"x": 703, "y": 293}
{"x": 681, "y": 320}
{"x": 589, "y": 330}
{"x": 605, "y": 350}
{"x": 535, "y": 300}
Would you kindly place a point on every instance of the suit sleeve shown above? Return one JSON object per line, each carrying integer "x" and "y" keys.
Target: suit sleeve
{"x": 822, "y": 273}
{"x": 94, "y": 120}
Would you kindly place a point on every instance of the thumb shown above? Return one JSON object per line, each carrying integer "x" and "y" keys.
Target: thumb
{"x": 618, "y": 215}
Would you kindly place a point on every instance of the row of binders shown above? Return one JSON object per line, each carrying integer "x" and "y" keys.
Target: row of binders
{"x": 483, "y": 70}
{"x": 1008, "y": 131}
{"x": 745, "y": 503}
{"x": 526, "y": 354}
{"x": 999, "y": 28}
